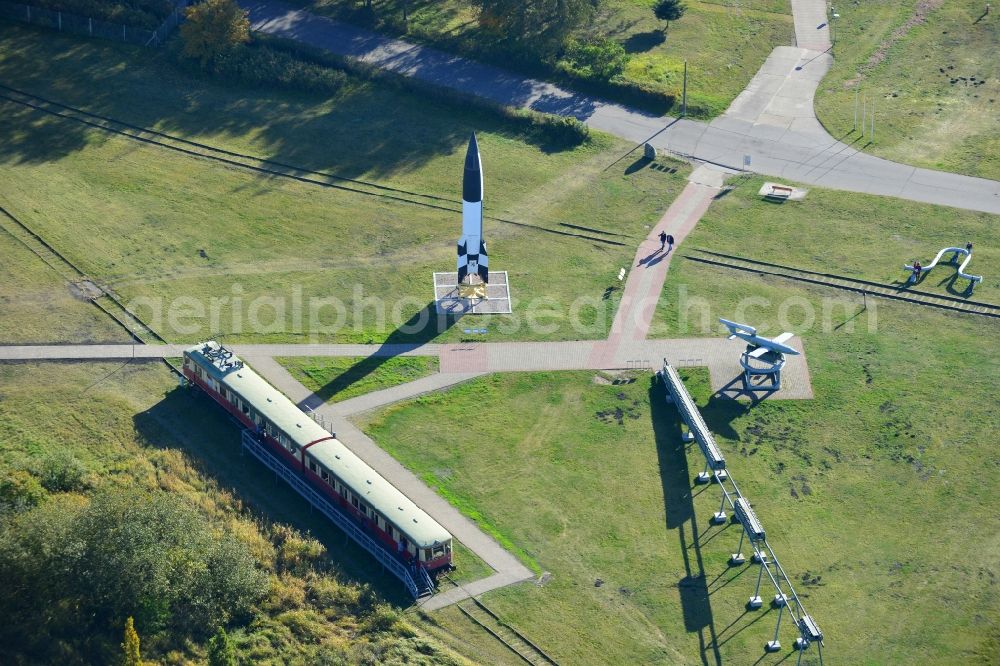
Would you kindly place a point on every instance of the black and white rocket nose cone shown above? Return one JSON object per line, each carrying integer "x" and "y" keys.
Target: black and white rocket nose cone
{"x": 472, "y": 183}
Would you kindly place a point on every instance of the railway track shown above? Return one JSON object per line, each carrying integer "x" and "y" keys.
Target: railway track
{"x": 856, "y": 285}
{"x": 514, "y": 640}
{"x": 102, "y": 298}
{"x": 503, "y": 632}
{"x": 265, "y": 166}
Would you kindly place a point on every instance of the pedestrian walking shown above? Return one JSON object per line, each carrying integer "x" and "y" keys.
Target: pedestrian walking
{"x": 670, "y": 242}
{"x": 968, "y": 247}
{"x": 663, "y": 239}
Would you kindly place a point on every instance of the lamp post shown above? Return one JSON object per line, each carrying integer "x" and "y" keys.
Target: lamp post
{"x": 833, "y": 29}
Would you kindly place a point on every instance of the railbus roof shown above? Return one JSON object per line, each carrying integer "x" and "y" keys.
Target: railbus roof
{"x": 364, "y": 481}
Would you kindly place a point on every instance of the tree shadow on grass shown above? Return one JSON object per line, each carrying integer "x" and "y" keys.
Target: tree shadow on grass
{"x": 33, "y": 137}
{"x": 641, "y": 42}
{"x": 680, "y": 516}
{"x": 418, "y": 330}
{"x": 190, "y": 421}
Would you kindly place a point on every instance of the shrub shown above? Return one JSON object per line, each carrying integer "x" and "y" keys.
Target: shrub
{"x": 19, "y": 491}
{"x": 220, "y": 650}
{"x": 130, "y": 645}
{"x": 558, "y": 132}
{"x": 61, "y": 472}
{"x": 601, "y": 59}
{"x": 258, "y": 65}
{"x": 213, "y": 29}
{"x": 384, "y": 618}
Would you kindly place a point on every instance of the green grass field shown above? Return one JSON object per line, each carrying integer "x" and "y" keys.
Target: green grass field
{"x": 156, "y": 225}
{"x": 39, "y": 306}
{"x": 876, "y": 495}
{"x": 917, "y": 61}
{"x": 339, "y": 378}
{"x": 724, "y": 42}
{"x": 856, "y": 235}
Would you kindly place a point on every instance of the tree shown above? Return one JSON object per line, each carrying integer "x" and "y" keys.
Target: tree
{"x": 538, "y": 26}
{"x": 220, "y": 650}
{"x": 213, "y": 29}
{"x": 131, "y": 645}
{"x": 669, "y": 10}
{"x": 149, "y": 554}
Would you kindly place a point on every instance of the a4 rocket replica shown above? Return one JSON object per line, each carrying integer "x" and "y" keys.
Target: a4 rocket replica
{"x": 472, "y": 259}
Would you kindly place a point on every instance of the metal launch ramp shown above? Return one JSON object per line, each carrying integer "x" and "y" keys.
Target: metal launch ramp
{"x": 785, "y": 598}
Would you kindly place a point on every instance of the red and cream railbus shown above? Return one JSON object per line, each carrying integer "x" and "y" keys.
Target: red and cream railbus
{"x": 331, "y": 467}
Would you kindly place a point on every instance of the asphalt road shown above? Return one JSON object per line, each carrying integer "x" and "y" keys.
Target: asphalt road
{"x": 772, "y": 121}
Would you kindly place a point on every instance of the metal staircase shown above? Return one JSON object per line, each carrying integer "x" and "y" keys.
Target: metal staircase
{"x": 416, "y": 579}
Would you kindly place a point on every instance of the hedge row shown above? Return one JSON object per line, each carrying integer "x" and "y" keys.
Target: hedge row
{"x": 639, "y": 95}
{"x": 278, "y": 62}
{"x": 148, "y": 14}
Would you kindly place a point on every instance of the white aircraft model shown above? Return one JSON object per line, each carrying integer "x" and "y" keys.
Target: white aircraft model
{"x": 764, "y": 345}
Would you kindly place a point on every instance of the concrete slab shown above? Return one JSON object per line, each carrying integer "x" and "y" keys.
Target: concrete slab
{"x": 448, "y": 301}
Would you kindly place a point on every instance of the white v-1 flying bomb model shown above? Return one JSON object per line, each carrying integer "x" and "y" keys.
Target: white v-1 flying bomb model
{"x": 472, "y": 257}
{"x": 764, "y": 345}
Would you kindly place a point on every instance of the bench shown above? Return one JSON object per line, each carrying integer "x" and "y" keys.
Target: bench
{"x": 779, "y": 192}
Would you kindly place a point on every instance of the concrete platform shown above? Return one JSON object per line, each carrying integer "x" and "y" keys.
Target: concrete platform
{"x": 448, "y": 301}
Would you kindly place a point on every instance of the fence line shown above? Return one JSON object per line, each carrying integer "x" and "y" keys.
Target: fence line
{"x": 91, "y": 27}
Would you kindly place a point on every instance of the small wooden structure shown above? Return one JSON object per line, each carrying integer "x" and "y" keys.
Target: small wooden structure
{"x": 778, "y": 191}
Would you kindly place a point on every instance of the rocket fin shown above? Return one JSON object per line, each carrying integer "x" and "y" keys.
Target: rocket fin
{"x": 463, "y": 260}
{"x": 484, "y": 270}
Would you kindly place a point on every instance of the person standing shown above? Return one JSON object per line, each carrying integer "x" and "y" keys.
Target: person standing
{"x": 670, "y": 243}
{"x": 663, "y": 240}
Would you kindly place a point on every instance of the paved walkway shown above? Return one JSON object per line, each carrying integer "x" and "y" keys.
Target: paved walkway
{"x": 644, "y": 286}
{"x": 507, "y": 567}
{"x": 785, "y": 140}
{"x": 460, "y": 362}
{"x": 812, "y": 29}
